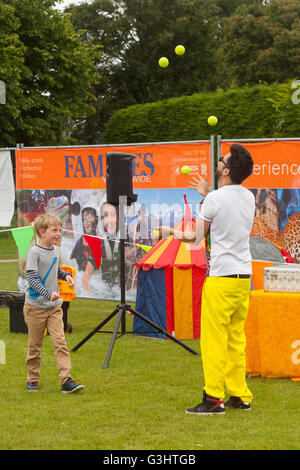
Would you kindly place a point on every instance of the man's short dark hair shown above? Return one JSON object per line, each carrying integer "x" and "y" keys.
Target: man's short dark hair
{"x": 240, "y": 163}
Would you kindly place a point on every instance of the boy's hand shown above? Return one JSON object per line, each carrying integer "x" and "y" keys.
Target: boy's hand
{"x": 54, "y": 296}
{"x": 70, "y": 280}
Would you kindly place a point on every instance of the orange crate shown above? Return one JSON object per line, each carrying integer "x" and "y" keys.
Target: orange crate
{"x": 66, "y": 292}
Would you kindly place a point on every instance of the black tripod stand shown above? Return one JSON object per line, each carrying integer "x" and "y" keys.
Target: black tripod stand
{"x": 121, "y": 310}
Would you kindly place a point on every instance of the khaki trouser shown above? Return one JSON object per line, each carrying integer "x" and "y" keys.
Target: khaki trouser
{"x": 225, "y": 303}
{"x": 37, "y": 319}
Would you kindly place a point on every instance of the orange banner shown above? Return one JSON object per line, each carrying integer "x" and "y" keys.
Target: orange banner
{"x": 155, "y": 166}
{"x": 276, "y": 164}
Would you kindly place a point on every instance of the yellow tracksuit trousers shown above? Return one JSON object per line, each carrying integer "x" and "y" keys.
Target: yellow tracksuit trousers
{"x": 225, "y": 303}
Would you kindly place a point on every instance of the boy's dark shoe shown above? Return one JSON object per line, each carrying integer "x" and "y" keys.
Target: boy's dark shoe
{"x": 236, "y": 402}
{"x": 33, "y": 386}
{"x": 209, "y": 406}
{"x": 71, "y": 386}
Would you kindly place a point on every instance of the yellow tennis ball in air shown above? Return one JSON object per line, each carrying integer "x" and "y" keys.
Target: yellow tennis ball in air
{"x": 185, "y": 170}
{"x": 212, "y": 120}
{"x": 179, "y": 50}
{"x": 163, "y": 62}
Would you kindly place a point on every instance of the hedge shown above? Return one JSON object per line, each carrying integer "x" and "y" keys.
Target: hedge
{"x": 261, "y": 111}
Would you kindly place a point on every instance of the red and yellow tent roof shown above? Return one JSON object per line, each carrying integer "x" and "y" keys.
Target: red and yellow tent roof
{"x": 173, "y": 252}
{"x": 170, "y": 295}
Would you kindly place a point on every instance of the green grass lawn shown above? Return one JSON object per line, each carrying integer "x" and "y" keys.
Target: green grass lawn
{"x": 138, "y": 402}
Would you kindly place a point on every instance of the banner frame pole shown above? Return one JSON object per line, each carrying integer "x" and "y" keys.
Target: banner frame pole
{"x": 281, "y": 139}
{"x": 139, "y": 144}
{"x": 212, "y": 162}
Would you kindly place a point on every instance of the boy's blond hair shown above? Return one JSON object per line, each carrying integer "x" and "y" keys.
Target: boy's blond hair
{"x": 44, "y": 221}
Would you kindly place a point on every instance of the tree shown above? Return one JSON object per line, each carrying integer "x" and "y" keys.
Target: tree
{"x": 49, "y": 79}
{"x": 261, "y": 43}
{"x": 134, "y": 35}
{"x": 11, "y": 70}
{"x": 228, "y": 43}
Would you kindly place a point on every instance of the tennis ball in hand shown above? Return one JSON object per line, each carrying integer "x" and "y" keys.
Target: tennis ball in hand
{"x": 185, "y": 170}
{"x": 155, "y": 232}
{"x": 212, "y": 120}
{"x": 163, "y": 62}
{"x": 179, "y": 50}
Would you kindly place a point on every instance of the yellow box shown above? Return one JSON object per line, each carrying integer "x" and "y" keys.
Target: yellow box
{"x": 67, "y": 292}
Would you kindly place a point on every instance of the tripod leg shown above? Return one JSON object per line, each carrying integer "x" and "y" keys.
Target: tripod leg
{"x": 113, "y": 338}
{"x": 161, "y": 330}
{"x": 84, "y": 340}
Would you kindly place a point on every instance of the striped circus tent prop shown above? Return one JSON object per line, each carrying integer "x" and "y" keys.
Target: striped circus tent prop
{"x": 170, "y": 280}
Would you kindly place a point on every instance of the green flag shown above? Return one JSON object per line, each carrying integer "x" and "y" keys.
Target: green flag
{"x": 23, "y": 237}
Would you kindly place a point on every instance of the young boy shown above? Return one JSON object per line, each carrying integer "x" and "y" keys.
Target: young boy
{"x": 42, "y": 308}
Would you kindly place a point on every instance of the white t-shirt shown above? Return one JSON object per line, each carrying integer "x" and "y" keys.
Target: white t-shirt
{"x": 231, "y": 211}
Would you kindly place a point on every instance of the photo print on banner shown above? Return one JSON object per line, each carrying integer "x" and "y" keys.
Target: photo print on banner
{"x": 84, "y": 212}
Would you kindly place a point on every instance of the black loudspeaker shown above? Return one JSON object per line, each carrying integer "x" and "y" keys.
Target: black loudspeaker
{"x": 119, "y": 178}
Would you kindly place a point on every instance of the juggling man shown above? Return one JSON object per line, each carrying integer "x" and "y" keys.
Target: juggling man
{"x": 227, "y": 213}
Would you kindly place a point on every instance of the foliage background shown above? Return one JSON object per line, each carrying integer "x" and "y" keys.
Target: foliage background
{"x": 48, "y": 70}
{"x": 230, "y": 44}
{"x": 67, "y": 73}
{"x": 260, "y": 111}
